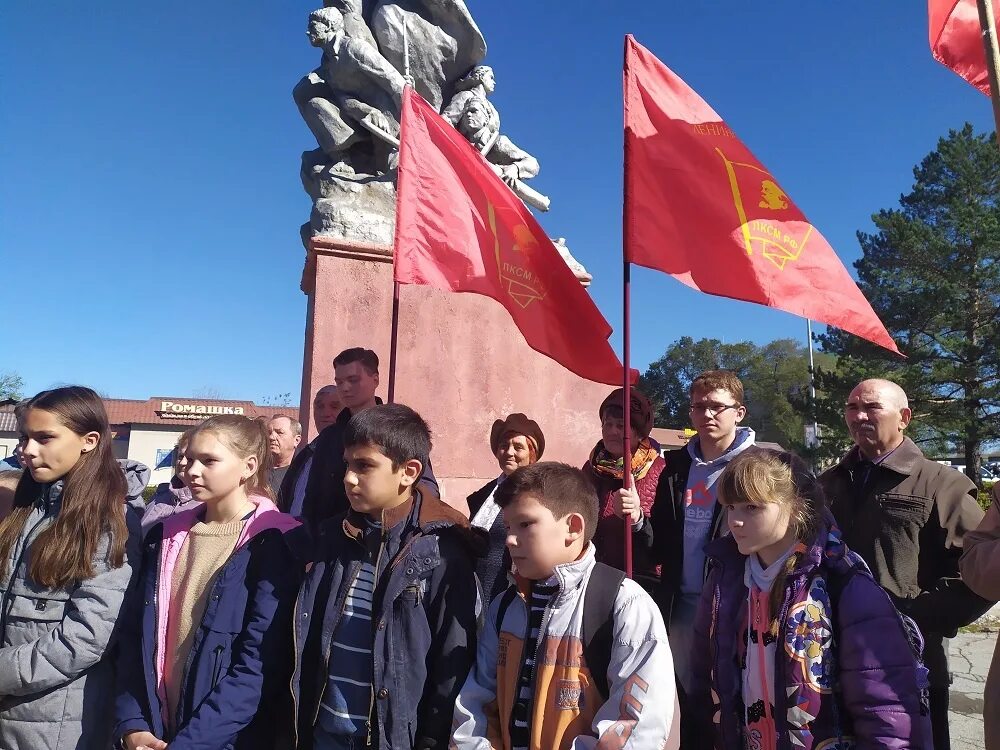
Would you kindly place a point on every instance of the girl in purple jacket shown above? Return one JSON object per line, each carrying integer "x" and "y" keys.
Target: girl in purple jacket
{"x": 796, "y": 646}
{"x": 212, "y": 658}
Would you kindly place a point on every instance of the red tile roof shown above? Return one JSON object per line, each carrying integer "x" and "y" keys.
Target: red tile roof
{"x": 174, "y": 410}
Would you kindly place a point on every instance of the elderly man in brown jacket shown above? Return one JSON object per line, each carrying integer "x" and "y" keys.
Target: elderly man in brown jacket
{"x": 907, "y": 516}
{"x": 981, "y": 572}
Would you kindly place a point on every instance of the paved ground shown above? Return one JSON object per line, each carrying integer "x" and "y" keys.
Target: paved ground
{"x": 971, "y": 654}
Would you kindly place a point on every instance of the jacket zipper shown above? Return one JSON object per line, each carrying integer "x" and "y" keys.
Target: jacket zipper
{"x": 378, "y": 563}
{"x": 538, "y": 646}
{"x": 190, "y": 659}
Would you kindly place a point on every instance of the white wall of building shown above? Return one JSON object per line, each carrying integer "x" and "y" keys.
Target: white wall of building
{"x": 151, "y": 445}
{"x": 8, "y": 442}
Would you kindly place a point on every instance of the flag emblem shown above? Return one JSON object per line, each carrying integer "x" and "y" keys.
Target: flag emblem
{"x": 521, "y": 284}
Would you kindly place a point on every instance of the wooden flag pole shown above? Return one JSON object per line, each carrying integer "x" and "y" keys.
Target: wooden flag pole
{"x": 393, "y": 341}
{"x": 988, "y": 23}
{"x": 627, "y": 480}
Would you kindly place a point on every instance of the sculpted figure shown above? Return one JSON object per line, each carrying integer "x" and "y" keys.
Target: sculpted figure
{"x": 475, "y": 117}
{"x": 354, "y": 96}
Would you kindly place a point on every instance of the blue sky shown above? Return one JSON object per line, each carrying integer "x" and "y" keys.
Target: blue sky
{"x": 150, "y": 201}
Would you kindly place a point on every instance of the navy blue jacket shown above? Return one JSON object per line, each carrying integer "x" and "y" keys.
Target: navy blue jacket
{"x": 234, "y": 693}
{"x": 424, "y": 621}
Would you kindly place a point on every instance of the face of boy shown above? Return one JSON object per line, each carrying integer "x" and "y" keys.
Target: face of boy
{"x": 372, "y": 485}
{"x": 49, "y": 448}
{"x": 715, "y": 414}
{"x": 355, "y": 385}
{"x": 537, "y": 540}
{"x": 213, "y": 472}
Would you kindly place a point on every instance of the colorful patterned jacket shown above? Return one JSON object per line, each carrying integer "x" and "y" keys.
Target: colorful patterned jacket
{"x": 568, "y": 712}
{"x": 846, "y": 675}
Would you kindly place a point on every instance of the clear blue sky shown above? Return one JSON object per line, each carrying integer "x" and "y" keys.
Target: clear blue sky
{"x": 150, "y": 200}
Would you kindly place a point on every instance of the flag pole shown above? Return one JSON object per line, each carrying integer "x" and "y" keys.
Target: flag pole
{"x": 989, "y": 26}
{"x": 812, "y": 388}
{"x": 627, "y": 480}
{"x": 394, "y": 337}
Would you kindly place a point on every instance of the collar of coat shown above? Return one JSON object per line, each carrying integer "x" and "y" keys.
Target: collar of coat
{"x": 903, "y": 460}
{"x": 428, "y": 514}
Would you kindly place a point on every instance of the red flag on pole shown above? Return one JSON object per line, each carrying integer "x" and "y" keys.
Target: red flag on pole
{"x": 956, "y": 38}
{"x": 460, "y": 228}
{"x": 702, "y": 208}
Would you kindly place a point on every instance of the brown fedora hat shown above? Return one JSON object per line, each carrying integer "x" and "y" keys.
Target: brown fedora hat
{"x": 517, "y": 423}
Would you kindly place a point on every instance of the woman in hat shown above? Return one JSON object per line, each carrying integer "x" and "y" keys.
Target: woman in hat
{"x": 606, "y": 470}
{"x": 515, "y": 441}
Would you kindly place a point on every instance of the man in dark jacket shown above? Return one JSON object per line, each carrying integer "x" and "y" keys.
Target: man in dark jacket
{"x": 326, "y": 409}
{"x": 356, "y": 375}
{"x": 905, "y": 515}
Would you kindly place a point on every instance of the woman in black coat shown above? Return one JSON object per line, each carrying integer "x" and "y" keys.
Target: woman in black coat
{"x": 515, "y": 441}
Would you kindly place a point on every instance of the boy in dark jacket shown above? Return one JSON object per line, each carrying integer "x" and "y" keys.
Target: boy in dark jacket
{"x": 385, "y": 623}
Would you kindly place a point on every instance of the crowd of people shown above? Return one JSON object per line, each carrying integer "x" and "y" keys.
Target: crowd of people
{"x": 324, "y": 596}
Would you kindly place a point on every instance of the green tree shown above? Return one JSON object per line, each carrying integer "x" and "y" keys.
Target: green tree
{"x": 775, "y": 379}
{"x": 931, "y": 270}
{"x": 11, "y": 385}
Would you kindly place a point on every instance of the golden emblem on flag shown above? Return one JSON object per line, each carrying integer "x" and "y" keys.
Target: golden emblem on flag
{"x": 780, "y": 241}
{"x": 521, "y": 283}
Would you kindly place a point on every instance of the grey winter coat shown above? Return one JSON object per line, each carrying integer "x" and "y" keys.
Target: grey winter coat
{"x": 56, "y": 645}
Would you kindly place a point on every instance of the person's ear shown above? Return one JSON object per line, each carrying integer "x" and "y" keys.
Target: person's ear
{"x": 298, "y": 439}
{"x": 376, "y": 379}
{"x": 412, "y": 470}
{"x": 905, "y": 415}
{"x": 575, "y": 527}
{"x": 741, "y": 412}
{"x": 90, "y": 441}
{"x": 249, "y": 468}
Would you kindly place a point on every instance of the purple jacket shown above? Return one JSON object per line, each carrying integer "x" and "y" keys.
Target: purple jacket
{"x": 846, "y": 675}
{"x": 166, "y": 501}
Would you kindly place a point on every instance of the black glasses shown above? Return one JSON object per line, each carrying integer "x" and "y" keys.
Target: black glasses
{"x": 712, "y": 409}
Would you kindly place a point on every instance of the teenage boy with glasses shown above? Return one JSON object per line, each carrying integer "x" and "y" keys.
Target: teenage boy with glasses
{"x": 684, "y": 519}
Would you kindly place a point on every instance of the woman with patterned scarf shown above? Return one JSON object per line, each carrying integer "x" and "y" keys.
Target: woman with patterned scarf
{"x": 606, "y": 470}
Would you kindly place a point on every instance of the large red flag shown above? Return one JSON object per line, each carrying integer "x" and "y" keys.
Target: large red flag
{"x": 700, "y": 207}
{"x": 460, "y": 228}
{"x": 956, "y": 38}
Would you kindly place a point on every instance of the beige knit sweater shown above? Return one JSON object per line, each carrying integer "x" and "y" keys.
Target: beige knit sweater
{"x": 205, "y": 551}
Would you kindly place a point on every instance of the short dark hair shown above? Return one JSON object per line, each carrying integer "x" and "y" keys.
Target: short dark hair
{"x": 398, "y": 432}
{"x": 561, "y": 488}
{"x": 367, "y": 358}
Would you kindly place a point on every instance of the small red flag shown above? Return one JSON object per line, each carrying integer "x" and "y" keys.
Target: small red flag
{"x": 700, "y": 207}
{"x": 956, "y": 38}
{"x": 460, "y": 228}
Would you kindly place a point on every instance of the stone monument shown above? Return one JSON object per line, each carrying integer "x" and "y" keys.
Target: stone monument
{"x": 459, "y": 379}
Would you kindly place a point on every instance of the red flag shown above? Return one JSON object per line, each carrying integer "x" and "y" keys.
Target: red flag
{"x": 700, "y": 207}
{"x": 460, "y": 228}
{"x": 956, "y": 38}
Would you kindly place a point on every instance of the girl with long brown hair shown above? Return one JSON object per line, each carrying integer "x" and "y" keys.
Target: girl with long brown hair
{"x": 65, "y": 567}
{"x": 207, "y": 662}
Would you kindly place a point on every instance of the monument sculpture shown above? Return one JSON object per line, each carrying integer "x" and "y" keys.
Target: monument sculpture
{"x": 370, "y": 50}
{"x": 351, "y": 104}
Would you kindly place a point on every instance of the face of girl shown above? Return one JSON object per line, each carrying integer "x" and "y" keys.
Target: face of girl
{"x": 213, "y": 472}
{"x": 512, "y": 452}
{"x": 49, "y": 448}
{"x": 763, "y": 529}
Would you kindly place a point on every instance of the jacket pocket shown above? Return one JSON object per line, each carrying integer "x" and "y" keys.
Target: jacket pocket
{"x": 50, "y": 607}
{"x": 905, "y": 510}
